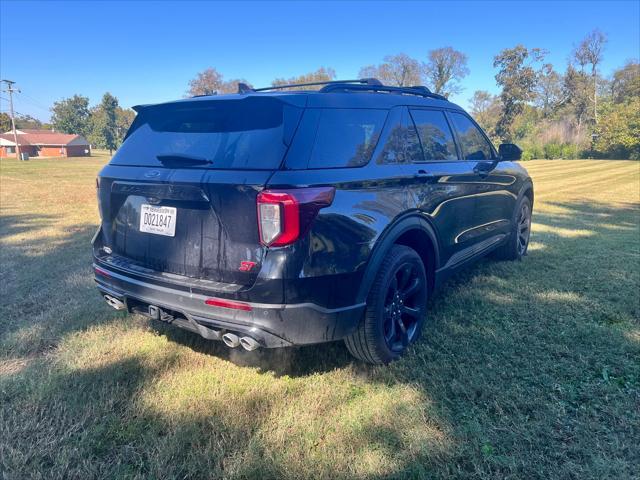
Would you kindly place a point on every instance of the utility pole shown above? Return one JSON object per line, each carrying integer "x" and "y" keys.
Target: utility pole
{"x": 10, "y": 91}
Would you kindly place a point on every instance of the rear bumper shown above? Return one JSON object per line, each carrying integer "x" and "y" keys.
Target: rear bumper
{"x": 272, "y": 325}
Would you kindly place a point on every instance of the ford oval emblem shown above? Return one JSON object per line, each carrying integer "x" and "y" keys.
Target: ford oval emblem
{"x": 152, "y": 174}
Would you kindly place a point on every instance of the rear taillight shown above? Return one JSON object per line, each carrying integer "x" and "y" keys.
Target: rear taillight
{"x": 285, "y": 215}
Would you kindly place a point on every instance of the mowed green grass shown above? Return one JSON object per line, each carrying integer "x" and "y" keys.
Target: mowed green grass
{"x": 525, "y": 370}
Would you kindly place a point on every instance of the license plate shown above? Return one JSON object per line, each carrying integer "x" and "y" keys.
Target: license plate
{"x": 158, "y": 220}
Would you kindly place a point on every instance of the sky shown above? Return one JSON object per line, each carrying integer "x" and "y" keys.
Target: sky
{"x": 146, "y": 52}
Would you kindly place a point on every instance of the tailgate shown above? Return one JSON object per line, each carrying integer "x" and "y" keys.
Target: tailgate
{"x": 215, "y": 222}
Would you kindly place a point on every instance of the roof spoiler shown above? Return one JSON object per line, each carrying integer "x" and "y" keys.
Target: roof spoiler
{"x": 138, "y": 108}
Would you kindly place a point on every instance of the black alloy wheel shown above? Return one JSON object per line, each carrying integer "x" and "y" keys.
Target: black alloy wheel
{"x": 396, "y": 308}
{"x": 403, "y": 306}
{"x": 524, "y": 228}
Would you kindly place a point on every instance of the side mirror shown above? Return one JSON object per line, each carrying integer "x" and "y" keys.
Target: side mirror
{"x": 509, "y": 152}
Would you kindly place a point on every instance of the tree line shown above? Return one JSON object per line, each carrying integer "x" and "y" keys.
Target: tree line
{"x": 577, "y": 113}
{"x": 103, "y": 125}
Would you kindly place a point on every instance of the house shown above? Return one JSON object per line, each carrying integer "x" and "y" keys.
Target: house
{"x": 44, "y": 143}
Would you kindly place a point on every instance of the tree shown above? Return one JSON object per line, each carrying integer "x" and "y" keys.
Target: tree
{"x": 124, "y": 118}
{"x": 321, "y": 75}
{"x": 5, "y": 122}
{"x": 71, "y": 115}
{"x": 625, "y": 84}
{"x": 549, "y": 90}
{"x": 619, "y": 130}
{"x": 518, "y": 79}
{"x": 211, "y": 82}
{"x": 231, "y": 86}
{"x": 590, "y": 51}
{"x": 397, "y": 70}
{"x": 576, "y": 90}
{"x": 27, "y": 121}
{"x": 208, "y": 82}
{"x": 485, "y": 108}
{"x": 105, "y": 127}
{"x": 444, "y": 70}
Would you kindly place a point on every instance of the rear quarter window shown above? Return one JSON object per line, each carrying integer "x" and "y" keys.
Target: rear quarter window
{"x": 336, "y": 138}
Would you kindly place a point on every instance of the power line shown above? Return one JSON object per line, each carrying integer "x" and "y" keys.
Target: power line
{"x": 9, "y": 89}
{"x": 34, "y": 102}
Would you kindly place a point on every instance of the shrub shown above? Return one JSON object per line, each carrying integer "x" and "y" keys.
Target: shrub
{"x": 619, "y": 131}
{"x": 531, "y": 151}
{"x": 552, "y": 151}
{"x": 527, "y": 155}
{"x": 569, "y": 151}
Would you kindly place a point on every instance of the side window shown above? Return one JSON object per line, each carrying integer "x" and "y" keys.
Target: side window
{"x": 435, "y": 135}
{"x": 472, "y": 142}
{"x": 401, "y": 144}
{"x": 346, "y": 137}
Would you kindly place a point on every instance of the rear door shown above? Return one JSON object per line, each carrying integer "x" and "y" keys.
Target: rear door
{"x": 179, "y": 197}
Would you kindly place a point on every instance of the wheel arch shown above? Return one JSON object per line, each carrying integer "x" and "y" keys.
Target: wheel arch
{"x": 412, "y": 231}
{"x": 527, "y": 191}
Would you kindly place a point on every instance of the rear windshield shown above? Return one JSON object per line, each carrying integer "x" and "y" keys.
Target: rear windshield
{"x": 251, "y": 133}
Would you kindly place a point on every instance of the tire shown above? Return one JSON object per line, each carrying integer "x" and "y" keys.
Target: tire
{"x": 396, "y": 307}
{"x": 518, "y": 243}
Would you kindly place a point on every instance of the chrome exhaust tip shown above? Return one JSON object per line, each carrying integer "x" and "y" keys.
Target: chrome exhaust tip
{"x": 114, "y": 302}
{"x": 249, "y": 343}
{"x": 230, "y": 340}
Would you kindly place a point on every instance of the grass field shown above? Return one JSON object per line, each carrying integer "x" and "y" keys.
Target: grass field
{"x": 526, "y": 370}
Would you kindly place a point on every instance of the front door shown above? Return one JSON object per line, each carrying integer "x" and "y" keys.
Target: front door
{"x": 444, "y": 186}
{"x": 494, "y": 202}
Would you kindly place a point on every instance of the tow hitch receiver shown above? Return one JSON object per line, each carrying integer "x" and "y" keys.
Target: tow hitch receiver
{"x": 154, "y": 313}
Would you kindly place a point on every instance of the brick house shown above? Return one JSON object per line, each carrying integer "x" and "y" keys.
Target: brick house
{"x": 44, "y": 143}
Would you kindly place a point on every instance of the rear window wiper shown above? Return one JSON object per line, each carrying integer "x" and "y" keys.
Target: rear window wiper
{"x": 183, "y": 158}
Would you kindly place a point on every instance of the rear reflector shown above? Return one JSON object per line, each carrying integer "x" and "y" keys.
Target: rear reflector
{"x": 102, "y": 272}
{"x": 285, "y": 215}
{"x": 220, "y": 302}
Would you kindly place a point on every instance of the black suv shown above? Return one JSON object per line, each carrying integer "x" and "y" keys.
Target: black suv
{"x": 275, "y": 217}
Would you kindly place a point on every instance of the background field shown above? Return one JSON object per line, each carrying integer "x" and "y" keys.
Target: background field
{"x": 527, "y": 370}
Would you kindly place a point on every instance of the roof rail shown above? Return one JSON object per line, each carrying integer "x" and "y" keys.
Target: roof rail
{"x": 244, "y": 88}
{"x": 415, "y": 90}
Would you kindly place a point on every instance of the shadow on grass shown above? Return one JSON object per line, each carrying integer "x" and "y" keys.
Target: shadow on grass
{"x": 46, "y": 284}
{"x": 24, "y": 223}
{"x": 124, "y": 418}
{"x": 533, "y": 363}
{"x": 527, "y": 368}
{"x": 293, "y": 362}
